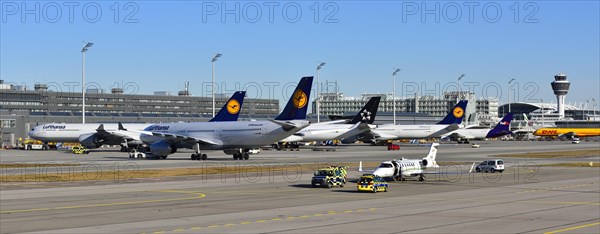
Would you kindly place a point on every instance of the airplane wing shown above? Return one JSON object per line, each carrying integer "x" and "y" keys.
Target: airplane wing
{"x": 456, "y": 135}
{"x": 569, "y": 135}
{"x": 286, "y": 125}
{"x": 175, "y": 138}
{"x": 332, "y": 122}
{"x": 356, "y": 129}
{"x": 103, "y": 133}
{"x": 446, "y": 130}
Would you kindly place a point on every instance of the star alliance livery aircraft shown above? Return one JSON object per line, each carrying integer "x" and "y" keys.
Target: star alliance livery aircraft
{"x": 93, "y": 135}
{"x": 337, "y": 131}
{"x": 234, "y": 138}
{"x": 394, "y": 132}
{"x": 463, "y": 135}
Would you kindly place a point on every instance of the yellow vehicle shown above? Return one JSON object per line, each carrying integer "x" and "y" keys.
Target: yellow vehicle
{"x": 29, "y": 144}
{"x": 80, "y": 149}
{"x": 330, "y": 176}
{"x": 372, "y": 183}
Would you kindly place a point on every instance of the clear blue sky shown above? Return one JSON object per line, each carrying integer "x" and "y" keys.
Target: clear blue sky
{"x": 158, "y": 45}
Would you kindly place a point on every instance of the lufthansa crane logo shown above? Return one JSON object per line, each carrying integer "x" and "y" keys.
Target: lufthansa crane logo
{"x": 233, "y": 106}
{"x": 300, "y": 99}
{"x": 458, "y": 112}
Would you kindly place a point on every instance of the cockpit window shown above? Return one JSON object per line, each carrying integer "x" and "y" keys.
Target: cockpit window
{"x": 386, "y": 165}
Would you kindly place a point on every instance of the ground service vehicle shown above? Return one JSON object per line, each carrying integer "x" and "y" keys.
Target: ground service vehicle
{"x": 80, "y": 149}
{"x": 372, "y": 183}
{"x": 329, "y": 177}
{"x": 36, "y": 145}
{"x": 392, "y": 146}
{"x": 491, "y": 166}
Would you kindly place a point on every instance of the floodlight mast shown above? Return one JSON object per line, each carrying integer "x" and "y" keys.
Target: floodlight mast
{"x": 214, "y": 59}
{"x": 85, "y": 48}
{"x": 318, "y": 93}
{"x": 396, "y": 70}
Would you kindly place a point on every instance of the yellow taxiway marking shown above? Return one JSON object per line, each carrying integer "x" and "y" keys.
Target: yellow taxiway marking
{"x": 556, "y": 188}
{"x": 562, "y": 203}
{"x": 573, "y": 228}
{"x": 268, "y": 220}
{"x": 196, "y": 196}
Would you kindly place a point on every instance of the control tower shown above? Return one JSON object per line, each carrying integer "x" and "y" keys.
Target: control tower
{"x": 560, "y": 85}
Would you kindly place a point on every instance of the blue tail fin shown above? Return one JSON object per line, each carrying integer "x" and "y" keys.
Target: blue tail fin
{"x": 231, "y": 109}
{"x": 456, "y": 115}
{"x": 368, "y": 112}
{"x": 501, "y": 128}
{"x": 298, "y": 103}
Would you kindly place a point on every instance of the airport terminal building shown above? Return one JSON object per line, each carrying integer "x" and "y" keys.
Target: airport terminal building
{"x": 419, "y": 109}
{"x": 22, "y": 109}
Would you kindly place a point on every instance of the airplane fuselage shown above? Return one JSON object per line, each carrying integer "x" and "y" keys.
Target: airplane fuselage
{"x": 578, "y": 132}
{"x": 246, "y": 134}
{"x": 408, "y": 167}
{"x": 393, "y": 132}
{"x": 324, "y": 132}
{"x": 70, "y": 132}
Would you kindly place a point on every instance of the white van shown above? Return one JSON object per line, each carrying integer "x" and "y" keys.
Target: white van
{"x": 491, "y": 166}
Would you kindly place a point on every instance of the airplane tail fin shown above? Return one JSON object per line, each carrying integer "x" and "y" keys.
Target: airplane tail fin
{"x": 456, "y": 115}
{"x": 231, "y": 110}
{"x": 298, "y": 103}
{"x": 501, "y": 128}
{"x": 429, "y": 161}
{"x": 368, "y": 112}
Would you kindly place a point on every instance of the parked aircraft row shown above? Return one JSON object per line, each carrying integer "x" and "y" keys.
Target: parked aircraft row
{"x": 237, "y": 138}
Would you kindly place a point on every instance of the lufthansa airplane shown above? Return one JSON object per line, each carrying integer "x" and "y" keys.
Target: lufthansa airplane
{"x": 463, "y": 135}
{"x": 337, "y": 131}
{"x": 394, "y": 132}
{"x": 93, "y": 135}
{"x": 234, "y": 138}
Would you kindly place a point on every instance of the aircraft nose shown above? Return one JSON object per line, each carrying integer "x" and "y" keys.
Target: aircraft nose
{"x": 379, "y": 172}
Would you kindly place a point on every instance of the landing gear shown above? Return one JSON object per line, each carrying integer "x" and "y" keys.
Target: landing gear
{"x": 422, "y": 177}
{"x": 198, "y": 155}
{"x": 124, "y": 148}
{"x": 241, "y": 156}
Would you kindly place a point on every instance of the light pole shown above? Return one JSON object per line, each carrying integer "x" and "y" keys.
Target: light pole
{"x": 458, "y": 96}
{"x": 318, "y": 93}
{"x": 509, "y": 82}
{"x": 543, "y": 119}
{"x": 587, "y": 104}
{"x": 214, "y": 59}
{"x": 396, "y": 70}
{"x": 459, "y": 89}
{"x": 594, "y": 101}
{"x": 87, "y": 46}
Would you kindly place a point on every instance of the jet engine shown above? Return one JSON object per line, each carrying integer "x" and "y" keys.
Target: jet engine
{"x": 425, "y": 162}
{"x": 90, "y": 141}
{"x": 161, "y": 148}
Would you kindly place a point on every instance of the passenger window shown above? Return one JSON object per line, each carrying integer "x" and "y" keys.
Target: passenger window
{"x": 490, "y": 163}
{"x": 500, "y": 162}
